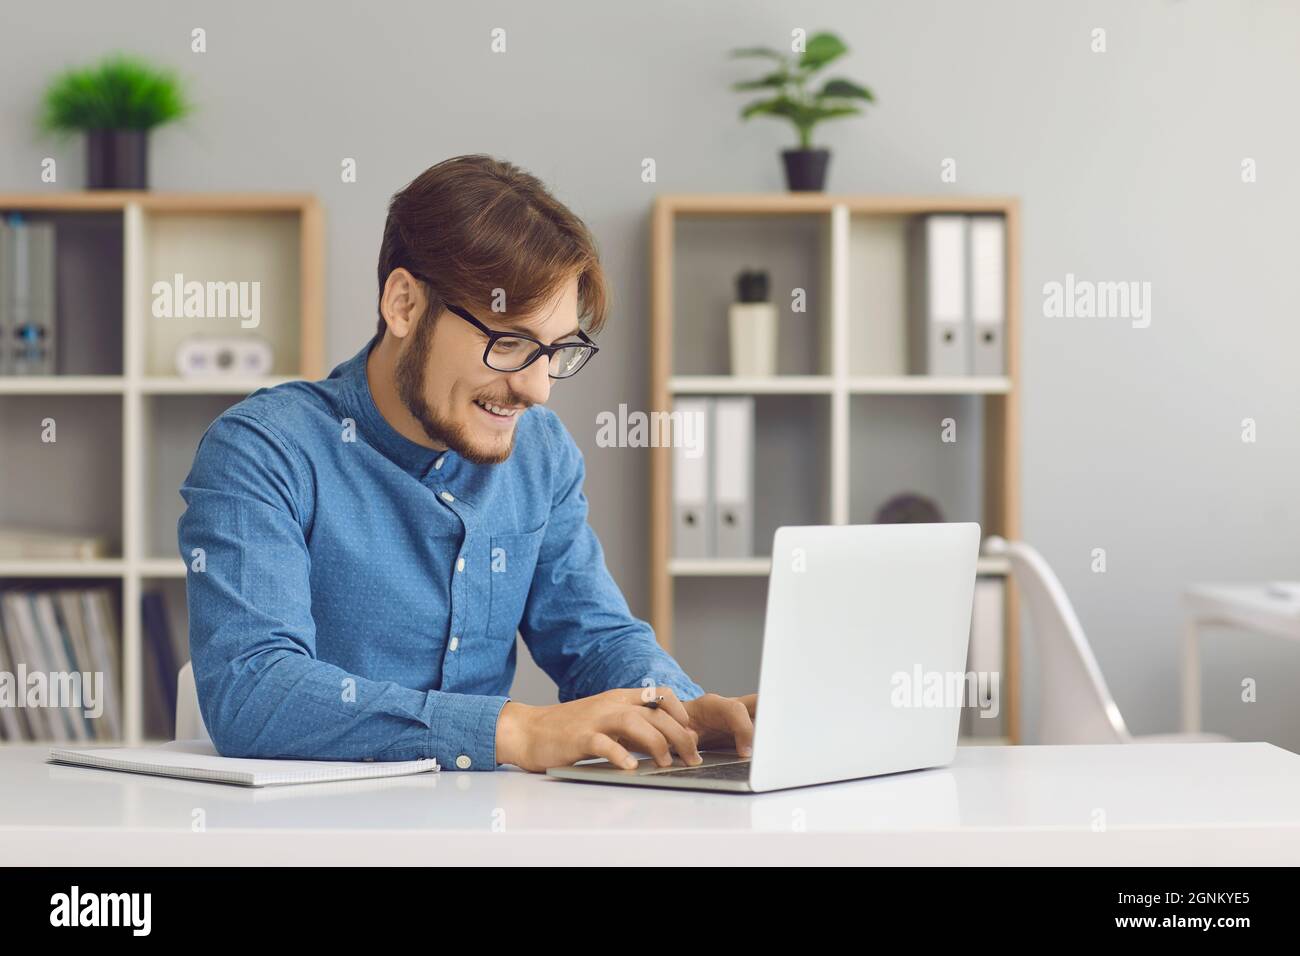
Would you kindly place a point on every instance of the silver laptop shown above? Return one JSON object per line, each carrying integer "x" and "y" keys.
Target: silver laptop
{"x": 863, "y": 663}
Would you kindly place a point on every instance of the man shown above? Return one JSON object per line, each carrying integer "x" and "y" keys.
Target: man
{"x": 363, "y": 549}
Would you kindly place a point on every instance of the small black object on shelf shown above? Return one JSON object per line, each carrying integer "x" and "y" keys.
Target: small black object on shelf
{"x": 909, "y": 508}
{"x": 752, "y": 286}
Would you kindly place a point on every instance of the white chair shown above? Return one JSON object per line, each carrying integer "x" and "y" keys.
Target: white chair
{"x": 1075, "y": 705}
{"x": 189, "y": 719}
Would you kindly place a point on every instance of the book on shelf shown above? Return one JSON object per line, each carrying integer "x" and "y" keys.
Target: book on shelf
{"x": 59, "y": 660}
{"x": 162, "y": 665}
{"x": 18, "y": 544}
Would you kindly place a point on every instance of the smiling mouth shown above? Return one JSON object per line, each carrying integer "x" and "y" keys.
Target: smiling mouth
{"x": 499, "y": 412}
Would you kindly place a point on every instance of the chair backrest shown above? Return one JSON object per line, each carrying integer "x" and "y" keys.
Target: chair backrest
{"x": 1075, "y": 705}
{"x": 189, "y": 720}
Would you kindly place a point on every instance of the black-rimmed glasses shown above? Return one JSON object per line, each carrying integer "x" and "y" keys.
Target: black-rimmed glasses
{"x": 514, "y": 351}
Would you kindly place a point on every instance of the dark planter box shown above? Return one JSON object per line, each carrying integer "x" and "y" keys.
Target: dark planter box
{"x": 117, "y": 159}
{"x": 805, "y": 169}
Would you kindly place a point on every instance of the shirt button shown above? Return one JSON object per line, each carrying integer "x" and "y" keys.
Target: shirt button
{"x": 463, "y": 762}
{"x": 448, "y": 496}
{"x": 438, "y": 464}
{"x": 455, "y": 643}
{"x": 460, "y": 564}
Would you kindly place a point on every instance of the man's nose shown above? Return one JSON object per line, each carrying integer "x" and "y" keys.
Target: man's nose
{"x": 533, "y": 384}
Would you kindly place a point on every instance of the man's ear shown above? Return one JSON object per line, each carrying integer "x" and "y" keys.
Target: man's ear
{"x": 403, "y": 302}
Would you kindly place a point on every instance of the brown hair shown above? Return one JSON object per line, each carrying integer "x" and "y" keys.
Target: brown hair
{"x": 473, "y": 224}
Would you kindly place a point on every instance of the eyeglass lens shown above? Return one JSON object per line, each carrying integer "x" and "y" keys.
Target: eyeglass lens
{"x": 509, "y": 354}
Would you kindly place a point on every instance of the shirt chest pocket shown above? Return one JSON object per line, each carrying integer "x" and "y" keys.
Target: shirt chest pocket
{"x": 512, "y": 558}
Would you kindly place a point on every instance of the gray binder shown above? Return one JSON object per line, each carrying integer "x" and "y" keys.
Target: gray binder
{"x": 30, "y": 295}
{"x": 6, "y": 298}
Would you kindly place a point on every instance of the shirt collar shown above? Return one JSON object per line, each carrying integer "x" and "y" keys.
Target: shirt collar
{"x": 372, "y": 427}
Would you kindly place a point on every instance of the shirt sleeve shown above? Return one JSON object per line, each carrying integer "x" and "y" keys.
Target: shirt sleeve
{"x": 262, "y": 690}
{"x": 576, "y": 622}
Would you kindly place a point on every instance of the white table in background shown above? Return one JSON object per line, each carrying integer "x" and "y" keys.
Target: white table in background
{"x": 1234, "y": 803}
{"x": 1252, "y": 607}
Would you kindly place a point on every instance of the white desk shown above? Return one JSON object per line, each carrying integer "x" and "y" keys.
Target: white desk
{"x": 1251, "y": 607}
{"x": 1162, "y": 803}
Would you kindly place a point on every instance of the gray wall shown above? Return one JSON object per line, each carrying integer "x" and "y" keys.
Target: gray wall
{"x": 1127, "y": 163}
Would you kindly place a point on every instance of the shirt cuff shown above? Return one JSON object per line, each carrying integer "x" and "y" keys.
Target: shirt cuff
{"x": 685, "y": 691}
{"x": 464, "y": 731}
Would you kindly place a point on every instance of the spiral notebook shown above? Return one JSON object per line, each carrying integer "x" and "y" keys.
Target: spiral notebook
{"x": 199, "y": 760}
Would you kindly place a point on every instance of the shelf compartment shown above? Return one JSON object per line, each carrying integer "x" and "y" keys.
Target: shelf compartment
{"x": 38, "y": 731}
{"x": 221, "y": 246}
{"x": 710, "y": 252}
{"x": 88, "y": 255}
{"x": 881, "y": 281}
{"x": 72, "y": 485}
{"x": 895, "y": 446}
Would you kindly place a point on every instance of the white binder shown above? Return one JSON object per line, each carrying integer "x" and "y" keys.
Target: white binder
{"x": 733, "y": 477}
{"x": 985, "y": 657}
{"x": 987, "y": 295}
{"x": 692, "y": 517}
{"x": 938, "y": 333}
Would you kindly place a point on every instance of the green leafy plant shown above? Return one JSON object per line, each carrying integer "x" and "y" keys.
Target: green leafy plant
{"x": 121, "y": 92}
{"x": 793, "y": 99}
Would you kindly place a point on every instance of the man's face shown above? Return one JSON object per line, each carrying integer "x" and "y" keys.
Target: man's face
{"x": 442, "y": 381}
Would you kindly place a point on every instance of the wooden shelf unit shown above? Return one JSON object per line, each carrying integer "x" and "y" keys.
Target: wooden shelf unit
{"x": 212, "y": 237}
{"x": 838, "y": 383}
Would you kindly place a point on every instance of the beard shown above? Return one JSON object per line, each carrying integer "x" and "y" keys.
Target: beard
{"x": 411, "y": 373}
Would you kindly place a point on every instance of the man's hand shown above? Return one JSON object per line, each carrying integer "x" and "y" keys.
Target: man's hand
{"x": 536, "y": 738}
{"x": 724, "y": 721}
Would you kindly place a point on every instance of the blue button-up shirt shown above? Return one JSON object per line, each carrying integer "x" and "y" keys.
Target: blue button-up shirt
{"x": 354, "y": 595}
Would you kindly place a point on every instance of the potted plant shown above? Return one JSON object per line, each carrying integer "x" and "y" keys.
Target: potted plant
{"x": 805, "y": 167}
{"x": 115, "y": 103}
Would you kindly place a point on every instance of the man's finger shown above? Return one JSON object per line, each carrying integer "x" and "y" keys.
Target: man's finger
{"x": 603, "y": 745}
{"x": 683, "y": 739}
{"x": 741, "y": 725}
{"x": 634, "y": 727}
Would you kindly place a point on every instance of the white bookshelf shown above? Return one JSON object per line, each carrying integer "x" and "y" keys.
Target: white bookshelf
{"x": 142, "y": 422}
{"x": 830, "y": 401}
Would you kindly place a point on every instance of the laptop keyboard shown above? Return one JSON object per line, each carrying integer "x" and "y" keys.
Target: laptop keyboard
{"x": 717, "y": 771}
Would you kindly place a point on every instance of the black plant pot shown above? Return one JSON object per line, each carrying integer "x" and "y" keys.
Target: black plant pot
{"x": 805, "y": 169}
{"x": 117, "y": 159}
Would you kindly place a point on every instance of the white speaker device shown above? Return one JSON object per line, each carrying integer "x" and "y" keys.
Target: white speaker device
{"x": 228, "y": 357}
